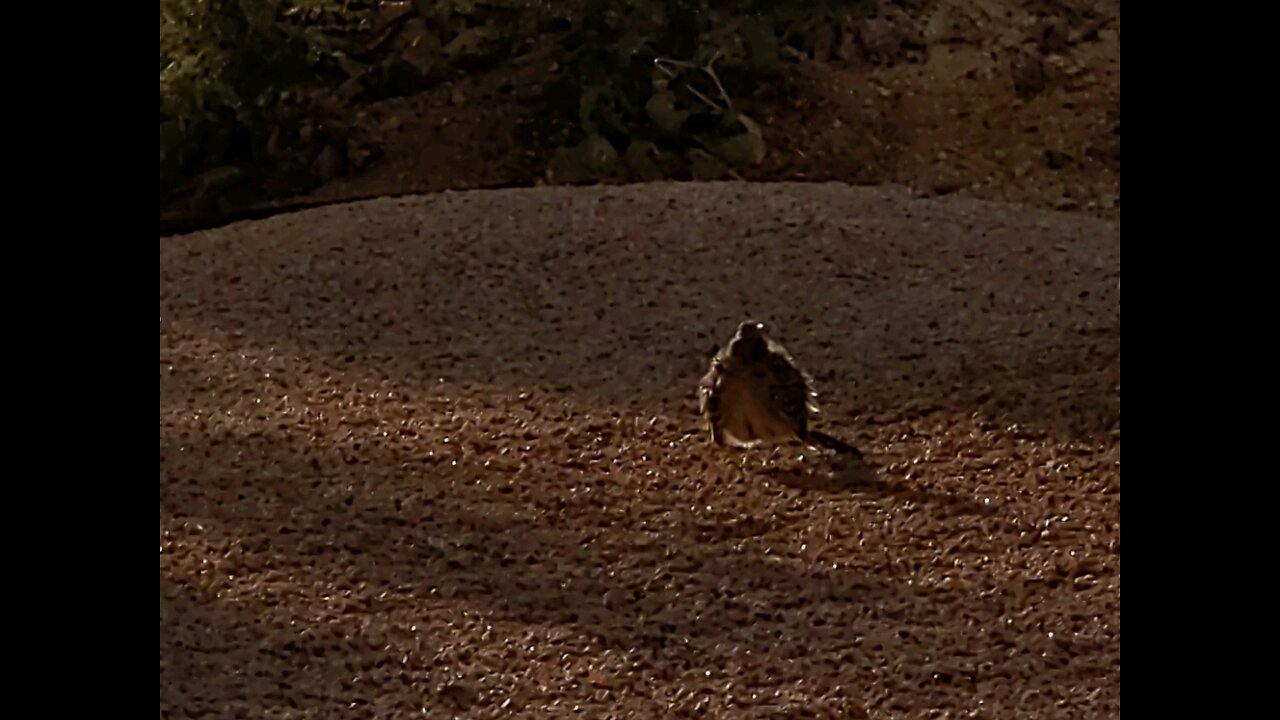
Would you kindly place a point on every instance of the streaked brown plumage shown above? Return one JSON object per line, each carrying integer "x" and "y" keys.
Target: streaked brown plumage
{"x": 754, "y": 393}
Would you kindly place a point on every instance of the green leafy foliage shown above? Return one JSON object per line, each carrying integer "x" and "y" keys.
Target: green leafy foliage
{"x": 635, "y": 89}
{"x": 682, "y": 78}
{"x": 224, "y": 65}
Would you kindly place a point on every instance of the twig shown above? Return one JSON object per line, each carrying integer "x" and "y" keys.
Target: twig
{"x": 708, "y": 70}
{"x": 677, "y": 63}
{"x": 704, "y": 98}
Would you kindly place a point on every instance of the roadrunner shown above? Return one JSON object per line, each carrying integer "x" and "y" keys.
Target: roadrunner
{"x": 755, "y": 393}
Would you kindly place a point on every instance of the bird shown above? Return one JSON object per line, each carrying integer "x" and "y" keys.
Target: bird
{"x": 754, "y": 393}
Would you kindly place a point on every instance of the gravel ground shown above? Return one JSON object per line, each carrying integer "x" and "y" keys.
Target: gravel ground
{"x": 439, "y": 457}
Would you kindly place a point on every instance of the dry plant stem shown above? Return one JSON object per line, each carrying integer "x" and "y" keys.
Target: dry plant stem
{"x": 708, "y": 69}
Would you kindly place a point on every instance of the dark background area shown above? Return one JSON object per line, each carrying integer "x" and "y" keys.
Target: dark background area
{"x": 312, "y": 101}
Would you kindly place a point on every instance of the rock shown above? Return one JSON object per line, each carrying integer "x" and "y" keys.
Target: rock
{"x": 704, "y": 166}
{"x": 328, "y": 163}
{"x": 640, "y": 163}
{"x": 1056, "y": 160}
{"x": 1029, "y": 77}
{"x": 361, "y": 149}
{"x": 742, "y": 150}
{"x": 661, "y": 109}
{"x": 593, "y": 159}
{"x": 1053, "y": 38}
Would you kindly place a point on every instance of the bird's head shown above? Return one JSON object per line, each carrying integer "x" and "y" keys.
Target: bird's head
{"x": 749, "y": 342}
{"x": 751, "y": 328}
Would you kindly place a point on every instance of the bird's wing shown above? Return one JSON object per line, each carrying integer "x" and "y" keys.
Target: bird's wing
{"x": 790, "y": 391}
{"x": 784, "y": 366}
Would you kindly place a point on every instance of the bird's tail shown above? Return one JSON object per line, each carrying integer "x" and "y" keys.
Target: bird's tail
{"x": 832, "y": 443}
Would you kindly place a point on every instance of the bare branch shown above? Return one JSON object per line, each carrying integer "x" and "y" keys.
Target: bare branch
{"x": 662, "y": 62}
{"x": 704, "y": 98}
{"x": 716, "y": 79}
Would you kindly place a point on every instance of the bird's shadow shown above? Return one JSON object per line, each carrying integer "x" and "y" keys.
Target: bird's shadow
{"x": 846, "y": 475}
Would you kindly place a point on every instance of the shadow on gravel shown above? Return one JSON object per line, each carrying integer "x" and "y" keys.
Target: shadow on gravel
{"x": 614, "y": 298}
{"x": 860, "y": 479}
{"x": 368, "y": 533}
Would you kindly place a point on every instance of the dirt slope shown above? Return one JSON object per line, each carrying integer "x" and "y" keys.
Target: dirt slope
{"x": 438, "y": 457}
{"x": 1014, "y": 101}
